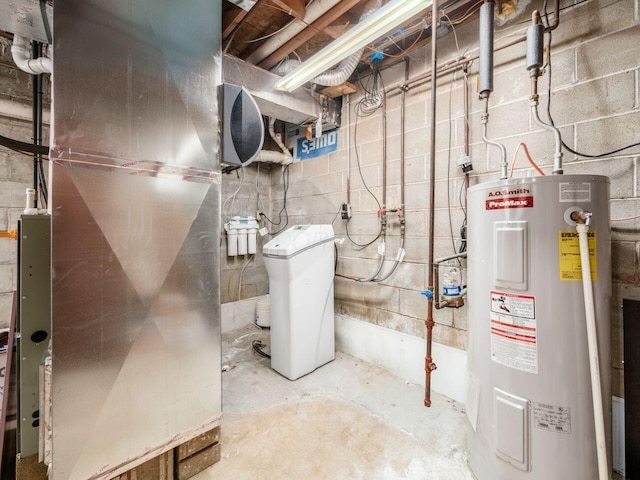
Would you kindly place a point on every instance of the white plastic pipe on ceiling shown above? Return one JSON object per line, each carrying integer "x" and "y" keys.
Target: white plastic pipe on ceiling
{"x": 314, "y": 11}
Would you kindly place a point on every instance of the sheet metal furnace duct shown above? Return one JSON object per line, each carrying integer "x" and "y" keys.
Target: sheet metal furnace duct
{"x": 136, "y": 225}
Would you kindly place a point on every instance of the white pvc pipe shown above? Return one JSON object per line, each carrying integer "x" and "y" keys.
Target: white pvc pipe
{"x": 313, "y": 12}
{"x": 21, "y": 52}
{"x": 590, "y": 315}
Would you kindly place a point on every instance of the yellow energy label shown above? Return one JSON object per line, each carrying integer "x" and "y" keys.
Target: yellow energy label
{"x": 569, "y": 255}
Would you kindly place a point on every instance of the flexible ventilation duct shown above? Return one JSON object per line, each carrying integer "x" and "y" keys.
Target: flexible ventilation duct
{"x": 342, "y": 72}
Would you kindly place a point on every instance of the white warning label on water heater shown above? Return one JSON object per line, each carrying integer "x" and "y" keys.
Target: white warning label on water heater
{"x": 514, "y": 336}
{"x": 552, "y": 417}
{"x": 575, "y": 192}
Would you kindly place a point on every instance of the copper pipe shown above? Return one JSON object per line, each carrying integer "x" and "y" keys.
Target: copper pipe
{"x": 402, "y": 150}
{"x": 349, "y": 149}
{"x": 429, "y": 366}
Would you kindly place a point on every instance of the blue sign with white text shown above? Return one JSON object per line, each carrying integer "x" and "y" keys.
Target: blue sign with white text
{"x": 317, "y": 147}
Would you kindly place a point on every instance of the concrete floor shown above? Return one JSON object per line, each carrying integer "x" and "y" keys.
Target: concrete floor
{"x": 346, "y": 420}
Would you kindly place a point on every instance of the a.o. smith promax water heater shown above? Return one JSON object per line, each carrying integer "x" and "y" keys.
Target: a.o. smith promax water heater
{"x": 530, "y": 401}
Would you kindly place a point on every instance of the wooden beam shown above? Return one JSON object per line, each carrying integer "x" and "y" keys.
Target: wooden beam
{"x": 233, "y": 19}
{"x": 319, "y": 25}
{"x": 295, "y": 8}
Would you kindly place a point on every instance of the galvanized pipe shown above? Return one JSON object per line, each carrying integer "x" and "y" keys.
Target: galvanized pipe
{"x": 486, "y": 49}
{"x": 429, "y": 366}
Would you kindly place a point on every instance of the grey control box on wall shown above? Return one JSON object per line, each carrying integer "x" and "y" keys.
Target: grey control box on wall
{"x": 242, "y": 126}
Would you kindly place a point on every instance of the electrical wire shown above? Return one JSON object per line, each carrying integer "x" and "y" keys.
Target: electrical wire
{"x": 258, "y": 346}
{"x": 469, "y": 13}
{"x": 232, "y": 198}
{"x": 285, "y": 184}
{"x": 625, "y": 218}
{"x": 365, "y": 107}
{"x": 545, "y": 17}
{"x": 23, "y": 147}
{"x": 246, "y": 263}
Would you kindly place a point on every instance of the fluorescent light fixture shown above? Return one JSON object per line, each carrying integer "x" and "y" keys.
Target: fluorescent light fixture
{"x": 386, "y": 18}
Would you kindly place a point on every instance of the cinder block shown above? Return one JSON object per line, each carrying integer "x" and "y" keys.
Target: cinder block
{"x": 367, "y": 154}
{"x": 412, "y": 303}
{"x": 315, "y": 166}
{"x": 12, "y": 194}
{"x": 408, "y": 275}
{"x": 369, "y": 130}
{"x": 605, "y": 134}
{"x": 356, "y": 310}
{"x": 592, "y": 20}
{"x": 624, "y": 261}
{"x": 401, "y": 323}
{"x": 417, "y": 249}
{"x": 448, "y": 335}
{"x": 597, "y": 98}
{"x": 619, "y": 170}
{"x": 623, "y": 208}
{"x": 7, "y": 280}
{"x": 461, "y": 317}
{"x": 417, "y": 142}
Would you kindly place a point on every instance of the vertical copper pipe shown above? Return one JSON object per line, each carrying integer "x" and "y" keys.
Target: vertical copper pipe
{"x": 403, "y": 95}
{"x": 349, "y": 149}
{"x": 465, "y": 70}
{"x": 429, "y": 366}
{"x": 384, "y": 154}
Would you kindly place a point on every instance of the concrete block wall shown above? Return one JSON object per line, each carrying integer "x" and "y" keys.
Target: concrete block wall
{"x": 245, "y": 276}
{"x": 595, "y": 102}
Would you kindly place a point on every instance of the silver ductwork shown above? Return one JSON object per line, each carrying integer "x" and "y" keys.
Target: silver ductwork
{"x": 135, "y": 232}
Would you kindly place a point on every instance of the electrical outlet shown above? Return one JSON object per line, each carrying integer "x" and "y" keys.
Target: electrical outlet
{"x": 345, "y": 211}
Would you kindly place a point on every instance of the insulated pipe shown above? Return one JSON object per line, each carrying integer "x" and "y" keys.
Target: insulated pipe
{"x": 312, "y": 13}
{"x": 21, "y": 53}
{"x": 271, "y": 156}
{"x": 429, "y": 366}
{"x": 592, "y": 343}
{"x": 535, "y": 34}
{"x": 503, "y": 151}
{"x": 486, "y": 49}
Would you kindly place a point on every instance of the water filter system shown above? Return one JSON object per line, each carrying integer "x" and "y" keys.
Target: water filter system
{"x": 242, "y": 233}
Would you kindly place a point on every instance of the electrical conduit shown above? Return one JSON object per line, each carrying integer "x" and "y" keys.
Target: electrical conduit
{"x": 592, "y": 342}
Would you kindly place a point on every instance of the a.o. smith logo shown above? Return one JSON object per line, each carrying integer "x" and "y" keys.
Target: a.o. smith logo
{"x": 509, "y": 198}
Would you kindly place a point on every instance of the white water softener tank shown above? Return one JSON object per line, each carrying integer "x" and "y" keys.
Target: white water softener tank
{"x": 529, "y": 401}
{"x": 300, "y": 264}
